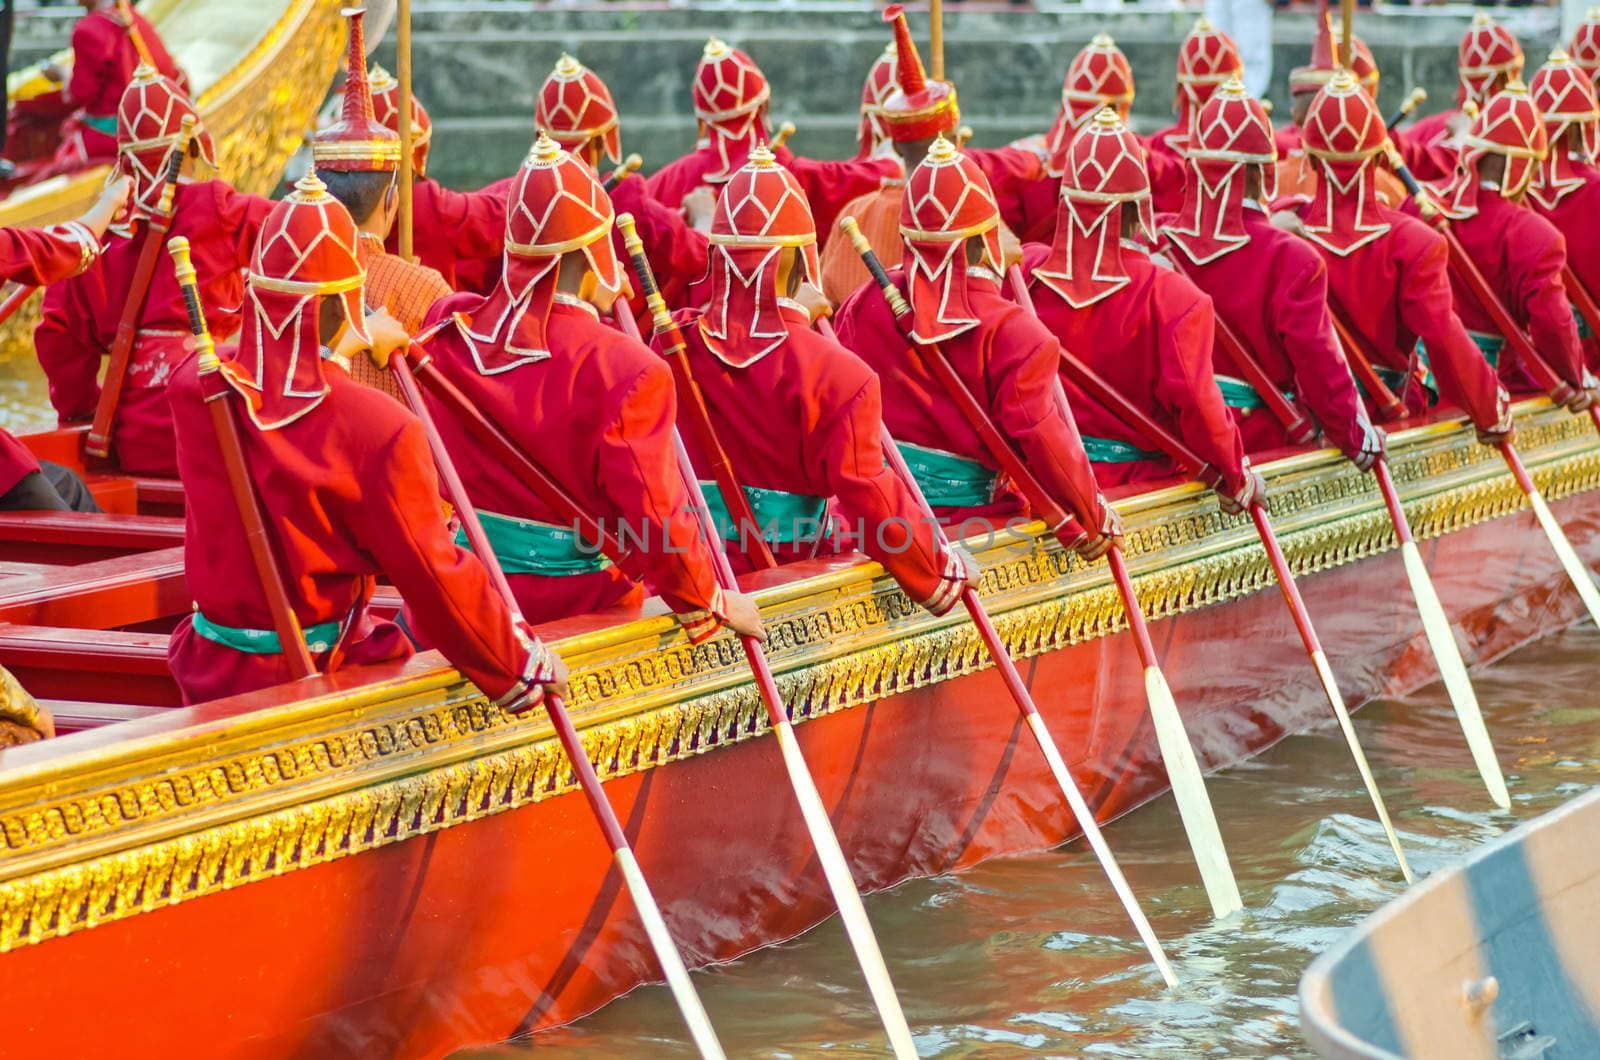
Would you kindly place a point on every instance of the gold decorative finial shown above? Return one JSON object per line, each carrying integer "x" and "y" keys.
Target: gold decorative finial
{"x": 761, "y": 156}
{"x": 1102, "y": 41}
{"x": 715, "y": 49}
{"x": 1106, "y": 120}
{"x": 567, "y": 68}
{"x": 1343, "y": 83}
{"x": 1233, "y": 88}
{"x": 942, "y": 151}
{"x": 1559, "y": 57}
{"x": 1202, "y": 25}
{"x": 309, "y": 188}
{"x": 1516, "y": 87}
{"x": 1482, "y": 19}
{"x": 545, "y": 152}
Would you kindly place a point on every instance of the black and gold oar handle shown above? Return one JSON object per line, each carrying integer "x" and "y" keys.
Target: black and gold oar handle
{"x": 180, "y": 151}
{"x": 630, "y": 165}
{"x": 1411, "y": 103}
{"x": 785, "y": 131}
{"x": 880, "y": 275}
{"x": 1409, "y": 179}
{"x": 660, "y": 316}
{"x": 205, "y": 350}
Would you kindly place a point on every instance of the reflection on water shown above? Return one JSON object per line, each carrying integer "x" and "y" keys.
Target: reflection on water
{"x": 1032, "y": 956}
{"x": 24, "y": 401}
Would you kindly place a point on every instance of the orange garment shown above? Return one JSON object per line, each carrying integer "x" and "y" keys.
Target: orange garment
{"x": 406, "y": 290}
{"x": 1298, "y": 175}
{"x": 878, "y": 214}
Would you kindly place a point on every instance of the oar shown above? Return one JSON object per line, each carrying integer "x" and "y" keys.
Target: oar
{"x": 20, "y": 293}
{"x": 1412, "y": 101}
{"x": 785, "y": 131}
{"x": 631, "y": 164}
{"x": 402, "y": 102}
{"x": 1177, "y": 753}
{"x": 666, "y": 951}
{"x": 1290, "y": 588}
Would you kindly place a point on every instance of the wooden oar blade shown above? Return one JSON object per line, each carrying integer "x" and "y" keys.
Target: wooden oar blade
{"x": 1582, "y": 580}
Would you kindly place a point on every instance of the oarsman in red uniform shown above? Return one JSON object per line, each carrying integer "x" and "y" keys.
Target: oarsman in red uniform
{"x": 37, "y": 257}
{"x": 1145, "y": 329}
{"x": 346, "y": 485}
{"x": 1206, "y": 58}
{"x": 1520, "y": 253}
{"x": 592, "y": 407}
{"x": 80, "y": 317}
{"x": 800, "y": 415}
{"x": 1585, "y": 46}
{"x": 951, "y": 229}
{"x": 447, "y": 226}
{"x": 1566, "y": 187}
{"x": 731, "y": 96}
{"x": 1265, "y": 284}
{"x": 1488, "y": 59}
{"x": 104, "y": 58}
{"x": 1387, "y": 271}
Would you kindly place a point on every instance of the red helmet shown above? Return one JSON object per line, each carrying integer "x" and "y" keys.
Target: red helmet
{"x": 1509, "y": 125}
{"x": 1099, "y": 76}
{"x": 947, "y": 201}
{"x": 1326, "y": 53}
{"x": 357, "y": 142}
{"x": 1344, "y": 131}
{"x": 1488, "y": 51}
{"x": 555, "y": 206}
{"x": 149, "y": 122}
{"x": 918, "y": 108}
{"x": 1564, "y": 96}
{"x": 730, "y": 96}
{"x": 575, "y": 106}
{"x": 1585, "y": 46}
{"x": 1206, "y": 58}
{"x": 762, "y": 212}
{"x": 875, "y": 92}
{"x": 306, "y": 250}
{"x": 1231, "y": 132}
{"x": 1105, "y": 167}
{"x": 386, "y": 107}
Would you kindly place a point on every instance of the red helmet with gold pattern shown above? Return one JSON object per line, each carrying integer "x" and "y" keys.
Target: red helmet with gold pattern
{"x": 1105, "y": 168}
{"x": 1326, "y": 54}
{"x": 947, "y": 202}
{"x": 575, "y": 107}
{"x": 1488, "y": 53}
{"x": 305, "y": 252}
{"x": 386, "y": 106}
{"x": 1585, "y": 46}
{"x": 1508, "y": 126}
{"x": 919, "y": 108}
{"x": 760, "y": 216}
{"x": 1564, "y": 96}
{"x": 1206, "y": 58}
{"x": 730, "y": 99}
{"x": 1344, "y": 131}
{"x": 1098, "y": 76}
{"x": 149, "y": 123}
{"x": 875, "y": 91}
{"x": 1231, "y": 133}
{"x": 357, "y": 142}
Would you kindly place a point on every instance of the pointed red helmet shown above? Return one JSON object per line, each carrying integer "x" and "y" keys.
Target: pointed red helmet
{"x": 1099, "y": 76}
{"x": 1344, "y": 131}
{"x": 919, "y": 108}
{"x": 575, "y": 106}
{"x": 730, "y": 96}
{"x": 947, "y": 201}
{"x": 1585, "y": 46}
{"x": 1510, "y": 126}
{"x": 761, "y": 212}
{"x": 305, "y": 251}
{"x": 1326, "y": 55}
{"x": 357, "y": 142}
{"x": 1564, "y": 96}
{"x": 1206, "y": 58}
{"x": 880, "y": 84}
{"x": 1488, "y": 51}
{"x": 1105, "y": 168}
{"x": 555, "y": 206}
{"x": 149, "y": 122}
{"x": 1231, "y": 132}
{"x": 386, "y": 107}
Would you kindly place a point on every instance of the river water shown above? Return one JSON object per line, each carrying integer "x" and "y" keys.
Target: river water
{"x": 1032, "y": 956}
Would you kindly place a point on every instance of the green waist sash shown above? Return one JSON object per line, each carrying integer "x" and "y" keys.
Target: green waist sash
{"x": 1112, "y": 451}
{"x": 524, "y": 546}
{"x": 948, "y": 480}
{"x": 779, "y": 515}
{"x": 319, "y": 638}
{"x": 105, "y": 124}
{"x": 1238, "y": 394}
{"x": 1583, "y": 325}
{"x": 1491, "y": 345}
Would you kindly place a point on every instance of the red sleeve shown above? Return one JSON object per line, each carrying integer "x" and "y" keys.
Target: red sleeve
{"x": 474, "y": 222}
{"x": 1544, "y": 304}
{"x": 93, "y": 59}
{"x": 16, "y": 461}
{"x": 452, "y": 602}
{"x": 68, "y": 346}
{"x": 1422, "y": 147}
{"x": 37, "y": 257}
{"x": 829, "y": 185}
{"x": 1305, "y": 331}
{"x": 1187, "y": 387}
{"x": 678, "y": 254}
{"x": 638, "y": 470}
{"x": 673, "y": 181}
{"x": 240, "y": 215}
{"x": 1466, "y": 380}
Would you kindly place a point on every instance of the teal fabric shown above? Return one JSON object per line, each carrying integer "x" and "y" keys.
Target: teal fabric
{"x": 1491, "y": 345}
{"x": 1397, "y": 381}
{"x": 948, "y": 480}
{"x": 100, "y": 123}
{"x": 319, "y": 638}
{"x": 524, "y": 546}
{"x": 1112, "y": 451}
{"x": 782, "y": 517}
{"x": 1237, "y": 394}
{"x": 1583, "y": 325}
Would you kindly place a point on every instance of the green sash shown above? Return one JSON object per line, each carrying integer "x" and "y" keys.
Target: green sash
{"x": 1112, "y": 451}
{"x": 1583, "y": 325}
{"x": 779, "y": 515}
{"x": 948, "y": 480}
{"x": 1398, "y": 381}
{"x": 1491, "y": 345}
{"x": 319, "y": 638}
{"x": 105, "y": 124}
{"x": 524, "y": 546}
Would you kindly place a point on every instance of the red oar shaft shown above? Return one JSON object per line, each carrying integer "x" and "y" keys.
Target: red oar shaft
{"x": 14, "y": 301}
{"x": 1386, "y": 404}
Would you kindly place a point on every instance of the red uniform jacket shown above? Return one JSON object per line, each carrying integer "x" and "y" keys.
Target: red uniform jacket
{"x": 1394, "y": 291}
{"x": 1273, "y": 293}
{"x": 1521, "y": 255}
{"x": 80, "y": 320}
{"x": 807, "y": 418}
{"x": 1151, "y": 340}
{"x": 1422, "y": 146}
{"x": 1169, "y": 169}
{"x": 16, "y": 461}
{"x": 597, "y": 416}
{"x": 1577, "y": 216}
{"x": 453, "y": 226}
{"x": 348, "y": 493}
{"x": 828, "y": 185}
{"x": 1011, "y": 363}
{"x": 1032, "y": 213}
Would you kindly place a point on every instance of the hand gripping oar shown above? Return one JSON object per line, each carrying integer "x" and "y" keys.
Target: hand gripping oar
{"x": 1441, "y": 640}
{"x": 215, "y": 390}
{"x": 1177, "y": 753}
{"x": 666, "y": 951}
{"x": 157, "y": 226}
{"x": 1164, "y": 440}
{"x": 692, "y": 404}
